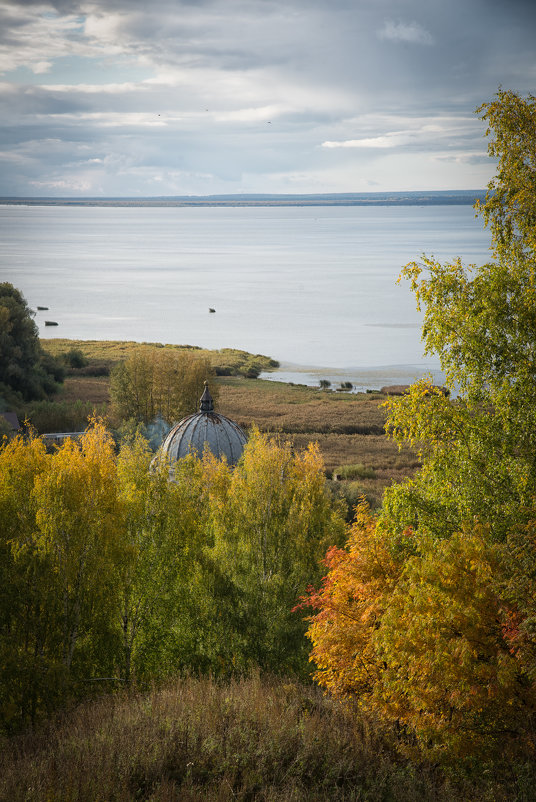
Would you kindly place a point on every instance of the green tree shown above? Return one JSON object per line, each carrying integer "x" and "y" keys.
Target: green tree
{"x": 453, "y": 648}
{"x": 159, "y": 382}
{"x": 510, "y": 205}
{"x": 481, "y": 322}
{"x": 270, "y": 531}
{"x": 159, "y": 582}
{"x": 479, "y": 472}
{"x": 26, "y": 372}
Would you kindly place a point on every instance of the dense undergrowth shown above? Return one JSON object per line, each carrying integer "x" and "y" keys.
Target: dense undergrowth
{"x": 245, "y": 739}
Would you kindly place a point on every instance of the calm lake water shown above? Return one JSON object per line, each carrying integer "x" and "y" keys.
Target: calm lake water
{"x": 314, "y": 287}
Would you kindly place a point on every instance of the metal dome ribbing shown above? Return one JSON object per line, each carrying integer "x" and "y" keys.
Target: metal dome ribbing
{"x": 223, "y": 436}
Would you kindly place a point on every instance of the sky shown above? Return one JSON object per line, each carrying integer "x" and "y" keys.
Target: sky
{"x": 132, "y": 98}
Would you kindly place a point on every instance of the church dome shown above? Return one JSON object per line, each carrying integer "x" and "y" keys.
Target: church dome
{"x": 223, "y": 436}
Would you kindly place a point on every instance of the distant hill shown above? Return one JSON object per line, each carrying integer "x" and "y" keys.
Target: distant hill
{"x": 438, "y": 198}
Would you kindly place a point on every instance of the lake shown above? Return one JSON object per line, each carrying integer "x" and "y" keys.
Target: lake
{"x": 313, "y": 287}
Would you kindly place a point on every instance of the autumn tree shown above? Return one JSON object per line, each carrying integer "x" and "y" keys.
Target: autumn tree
{"x": 163, "y": 382}
{"x": 449, "y": 651}
{"x": 28, "y": 589}
{"x": 270, "y": 532}
{"x": 79, "y": 525}
{"x": 458, "y": 635}
{"x": 347, "y": 609}
{"x": 60, "y": 525}
{"x": 111, "y": 573}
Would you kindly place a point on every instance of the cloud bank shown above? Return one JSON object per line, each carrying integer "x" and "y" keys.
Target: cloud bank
{"x": 119, "y": 97}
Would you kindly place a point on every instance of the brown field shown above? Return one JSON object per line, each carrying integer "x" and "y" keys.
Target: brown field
{"x": 94, "y": 389}
{"x": 347, "y": 427}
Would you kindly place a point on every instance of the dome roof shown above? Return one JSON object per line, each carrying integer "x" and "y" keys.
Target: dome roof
{"x": 223, "y": 436}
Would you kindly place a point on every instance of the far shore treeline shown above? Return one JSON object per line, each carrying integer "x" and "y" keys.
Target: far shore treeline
{"x": 200, "y": 611}
{"x": 438, "y": 198}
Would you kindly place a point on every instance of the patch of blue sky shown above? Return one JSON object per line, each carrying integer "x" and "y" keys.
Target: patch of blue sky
{"x": 75, "y": 70}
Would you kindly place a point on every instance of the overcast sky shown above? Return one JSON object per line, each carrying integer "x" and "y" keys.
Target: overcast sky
{"x": 180, "y": 97}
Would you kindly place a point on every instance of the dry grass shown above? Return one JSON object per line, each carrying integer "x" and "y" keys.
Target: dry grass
{"x": 301, "y": 410}
{"x": 347, "y": 427}
{"x": 248, "y": 739}
{"x": 96, "y": 390}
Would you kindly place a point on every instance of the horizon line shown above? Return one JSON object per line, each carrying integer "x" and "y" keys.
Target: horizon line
{"x": 249, "y": 195}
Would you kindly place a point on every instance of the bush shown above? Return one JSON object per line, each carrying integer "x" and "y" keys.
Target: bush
{"x": 60, "y": 416}
{"x": 24, "y": 368}
{"x": 92, "y": 369}
{"x": 352, "y": 493}
{"x": 54, "y": 369}
{"x": 75, "y": 358}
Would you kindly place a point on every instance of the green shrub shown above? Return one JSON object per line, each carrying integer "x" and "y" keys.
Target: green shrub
{"x": 75, "y": 358}
{"x": 92, "y": 369}
{"x": 356, "y": 471}
{"x": 352, "y": 493}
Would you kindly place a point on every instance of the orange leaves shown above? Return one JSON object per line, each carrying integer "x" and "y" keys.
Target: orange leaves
{"x": 429, "y": 641}
{"x": 348, "y": 607}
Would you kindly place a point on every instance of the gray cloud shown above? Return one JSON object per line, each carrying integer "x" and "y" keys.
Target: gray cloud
{"x": 411, "y": 32}
{"x": 120, "y": 97}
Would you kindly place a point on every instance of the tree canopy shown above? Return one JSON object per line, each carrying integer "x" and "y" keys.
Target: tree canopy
{"x": 110, "y": 573}
{"x": 510, "y": 205}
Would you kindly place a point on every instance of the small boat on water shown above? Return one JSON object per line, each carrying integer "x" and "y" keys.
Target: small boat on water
{"x": 42, "y": 308}
{"x": 50, "y": 323}
{"x": 210, "y": 309}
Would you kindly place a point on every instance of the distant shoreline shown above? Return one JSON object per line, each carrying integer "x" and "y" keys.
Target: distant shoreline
{"x": 437, "y": 198}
